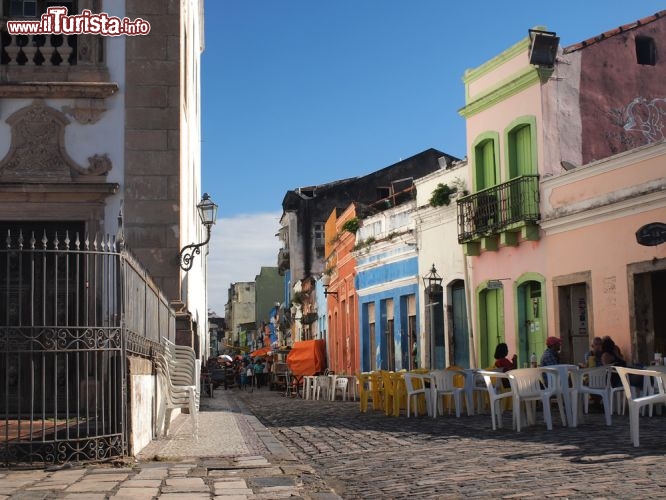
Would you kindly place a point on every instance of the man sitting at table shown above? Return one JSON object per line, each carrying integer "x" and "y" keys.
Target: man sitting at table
{"x": 551, "y": 356}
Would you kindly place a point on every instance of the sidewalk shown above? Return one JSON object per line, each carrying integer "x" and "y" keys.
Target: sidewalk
{"x": 236, "y": 457}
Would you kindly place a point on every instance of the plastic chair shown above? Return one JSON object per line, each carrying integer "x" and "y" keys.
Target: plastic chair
{"x": 496, "y": 395}
{"x": 635, "y": 403}
{"x": 377, "y": 390}
{"x": 364, "y": 390}
{"x": 309, "y": 386}
{"x": 465, "y": 380}
{"x": 527, "y": 386}
{"x": 340, "y": 386}
{"x": 322, "y": 384}
{"x": 443, "y": 384}
{"x": 596, "y": 382}
{"x": 415, "y": 386}
{"x": 388, "y": 391}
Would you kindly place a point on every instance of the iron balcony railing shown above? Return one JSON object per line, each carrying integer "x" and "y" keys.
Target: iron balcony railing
{"x": 71, "y": 311}
{"x": 498, "y": 208}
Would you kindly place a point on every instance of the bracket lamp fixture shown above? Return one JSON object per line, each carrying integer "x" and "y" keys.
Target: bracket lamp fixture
{"x": 326, "y": 281}
{"x": 208, "y": 214}
{"x": 432, "y": 281}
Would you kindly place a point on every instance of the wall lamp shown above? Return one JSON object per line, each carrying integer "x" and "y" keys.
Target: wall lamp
{"x": 208, "y": 214}
{"x": 432, "y": 281}
{"x": 326, "y": 281}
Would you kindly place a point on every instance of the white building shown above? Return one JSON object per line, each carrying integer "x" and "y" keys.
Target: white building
{"x": 100, "y": 137}
{"x": 444, "y": 327}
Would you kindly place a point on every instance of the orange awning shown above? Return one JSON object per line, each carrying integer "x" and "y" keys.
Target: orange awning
{"x": 260, "y": 352}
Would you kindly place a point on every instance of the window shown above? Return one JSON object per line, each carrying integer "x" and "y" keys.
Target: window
{"x": 319, "y": 239}
{"x": 520, "y": 155}
{"x": 35, "y": 8}
{"x": 646, "y": 52}
{"x": 486, "y": 160}
{"x": 520, "y": 151}
{"x": 23, "y": 8}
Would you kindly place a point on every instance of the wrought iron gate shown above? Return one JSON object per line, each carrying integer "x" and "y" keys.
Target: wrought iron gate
{"x": 66, "y": 327}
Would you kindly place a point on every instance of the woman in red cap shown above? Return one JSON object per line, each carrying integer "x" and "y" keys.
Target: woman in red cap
{"x": 551, "y": 356}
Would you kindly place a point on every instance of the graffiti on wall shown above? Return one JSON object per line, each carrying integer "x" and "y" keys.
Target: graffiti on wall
{"x": 647, "y": 117}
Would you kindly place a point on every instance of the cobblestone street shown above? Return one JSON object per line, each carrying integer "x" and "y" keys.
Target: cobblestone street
{"x": 374, "y": 456}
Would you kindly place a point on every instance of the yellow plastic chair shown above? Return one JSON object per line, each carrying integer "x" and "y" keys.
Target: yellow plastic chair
{"x": 399, "y": 392}
{"x": 364, "y": 390}
{"x": 388, "y": 391}
{"x": 377, "y": 390}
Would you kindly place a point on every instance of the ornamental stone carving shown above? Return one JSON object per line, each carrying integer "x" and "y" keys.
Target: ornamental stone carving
{"x": 38, "y": 154}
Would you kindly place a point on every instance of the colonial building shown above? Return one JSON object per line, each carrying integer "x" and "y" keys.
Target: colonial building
{"x": 443, "y": 313}
{"x": 99, "y": 155}
{"x": 565, "y": 147}
{"x": 306, "y": 210}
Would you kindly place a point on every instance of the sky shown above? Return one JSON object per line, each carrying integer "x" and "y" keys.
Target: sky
{"x": 303, "y": 92}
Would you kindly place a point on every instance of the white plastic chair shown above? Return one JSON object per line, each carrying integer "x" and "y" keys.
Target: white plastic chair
{"x": 415, "y": 385}
{"x": 322, "y": 384}
{"x": 596, "y": 382}
{"x": 309, "y": 386}
{"x": 635, "y": 403}
{"x": 341, "y": 384}
{"x": 530, "y": 385}
{"x": 442, "y": 384}
{"x": 493, "y": 382}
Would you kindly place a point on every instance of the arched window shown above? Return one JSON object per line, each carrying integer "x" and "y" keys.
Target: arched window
{"x": 485, "y": 151}
{"x": 520, "y": 137}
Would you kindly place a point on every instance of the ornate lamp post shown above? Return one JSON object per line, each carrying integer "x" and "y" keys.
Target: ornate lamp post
{"x": 208, "y": 214}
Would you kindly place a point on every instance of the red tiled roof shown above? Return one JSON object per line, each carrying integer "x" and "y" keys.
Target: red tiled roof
{"x": 613, "y": 32}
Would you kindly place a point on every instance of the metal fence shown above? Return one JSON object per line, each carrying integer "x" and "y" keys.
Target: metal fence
{"x": 71, "y": 311}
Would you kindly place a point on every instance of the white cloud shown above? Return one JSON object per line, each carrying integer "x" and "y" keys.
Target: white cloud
{"x": 239, "y": 246}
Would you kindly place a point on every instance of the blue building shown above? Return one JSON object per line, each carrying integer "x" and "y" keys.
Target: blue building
{"x": 387, "y": 284}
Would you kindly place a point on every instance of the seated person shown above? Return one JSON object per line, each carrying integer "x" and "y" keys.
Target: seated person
{"x": 593, "y": 356}
{"x": 501, "y": 360}
{"x": 610, "y": 355}
{"x": 551, "y": 356}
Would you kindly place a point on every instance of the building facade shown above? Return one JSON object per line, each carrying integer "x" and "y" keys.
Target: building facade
{"x": 445, "y": 338}
{"x": 100, "y": 157}
{"x": 563, "y": 137}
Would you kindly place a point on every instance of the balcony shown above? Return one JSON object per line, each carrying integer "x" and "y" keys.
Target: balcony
{"x": 499, "y": 214}
{"x": 51, "y": 58}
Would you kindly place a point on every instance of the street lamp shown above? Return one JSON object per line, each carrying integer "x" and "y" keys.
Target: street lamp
{"x": 326, "y": 281}
{"x": 432, "y": 281}
{"x": 208, "y": 214}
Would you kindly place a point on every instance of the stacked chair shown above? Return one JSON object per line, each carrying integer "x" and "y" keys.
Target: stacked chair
{"x": 178, "y": 376}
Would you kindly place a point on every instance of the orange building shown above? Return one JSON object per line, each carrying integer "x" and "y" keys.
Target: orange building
{"x": 341, "y": 299}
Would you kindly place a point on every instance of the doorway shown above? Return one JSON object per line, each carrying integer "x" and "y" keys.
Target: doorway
{"x": 491, "y": 323}
{"x": 531, "y": 321}
{"x": 460, "y": 343}
{"x": 650, "y": 315}
{"x": 574, "y": 322}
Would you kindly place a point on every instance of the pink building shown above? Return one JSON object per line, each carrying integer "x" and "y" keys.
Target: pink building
{"x": 566, "y": 150}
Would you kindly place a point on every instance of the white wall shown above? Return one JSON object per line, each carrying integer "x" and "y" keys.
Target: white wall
{"x": 437, "y": 240}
